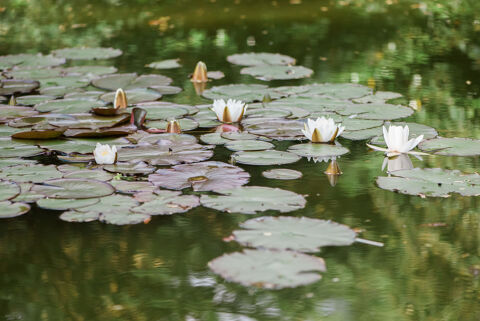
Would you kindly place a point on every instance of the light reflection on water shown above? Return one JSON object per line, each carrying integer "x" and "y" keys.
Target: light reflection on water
{"x": 428, "y": 269}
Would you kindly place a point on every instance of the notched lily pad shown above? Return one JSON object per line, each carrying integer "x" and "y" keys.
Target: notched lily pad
{"x": 8, "y": 190}
{"x": 451, "y": 146}
{"x": 79, "y": 217}
{"x": 254, "y": 199}
{"x": 130, "y": 81}
{"x": 65, "y": 204}
{"x": 318, "y": 150}
{"x": 124, "y": 218}
{"x": 260, "y": 58}
{"x": 9, "y": 209}
{"x": 293, "y": 233}
{"x": 14, "y": 86}
{"x": 83, "y": 53}
{"x": 264, "y": 72}
{"x": 248, "y": 145}
{"x": 126, "y": 168}
{"x": 267, "y": 157}
{"x": 30, "y": 173}
{"x": 282, "y": 173}
{"x": 168, "y": 203}
{"x": 269, "y": 269}
{"x": 73, "y": 188}
{"x": 246, "y": 93}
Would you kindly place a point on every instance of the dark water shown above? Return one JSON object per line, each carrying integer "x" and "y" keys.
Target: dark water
{"x": 429, "y": 268}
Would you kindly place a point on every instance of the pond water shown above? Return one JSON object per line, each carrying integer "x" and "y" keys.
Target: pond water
{"x": 429, "y": 267}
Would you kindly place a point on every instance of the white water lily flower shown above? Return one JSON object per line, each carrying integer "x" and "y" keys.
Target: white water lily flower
{"x": 229, "y": 112}
{"x": 322, "y": 130}
{"x": 104, "y": 154}
{"x": 396, "y": 138}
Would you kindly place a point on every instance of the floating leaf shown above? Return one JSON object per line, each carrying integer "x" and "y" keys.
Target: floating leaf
{"x": 73, "y": 188}
{"x": 451, "y": 146}
{"x": 69, "y": 82}
{"x": 79, "y": 217}
{"x": 33, "y": 99}
{"x": 8, "y": 112}
{"x": 433, "y": 182}
{"x": 166, "y": 90}
{"x": 132, "y": 187}
{"x": 260, "y": 58}
{"x": 165, "y": 64}
{"x": 246, "y": 93}
{"x": 269, "y": 269}
{"x": 239, "y": 136}
{"x": 8, "y": 190}
{"x": 11, "y": 149}
{"x": 254, "y": 199}
{"x": 376, "y": 111}
{"x": 378, "y": 97}
{"x": 27, "y": 195}
{"x": 111, "y": 204}
{"x": 89, "y": 70}
{"x": 90, "y": 174}
{"x": 318, "y": 150}
{"x": 25, "y": 61}
{"x": 39, "y": 134}
{"x": 293, "y": 233}
{"x": 65, "y": 204}
{"x": 248, "y": 145}
{"x": 130, "y": 81}
{"x": 168, "y": 203}
{"x": 185, "y": 124}
{"x": 268, "y": 157}
{"x": 68, "y": 106}
{"x": 205, "y": 176}
{"x": 214, "y": 139}
{"x": 14, "y": 86}
{"x": 272, "y": 72}
{"x": 89, "y": 121}
{"x": 166, "y": 112}
{"x": 135, "y": 96}
{"x": 83, "y": 53}
{"x": 341, "y": 91}
{"x": 126, "y": 168}
{"x": 282, "y": 173}
{"x": 81, "y": 146}
{"x": 165, "y": 154}
{"x": 9, "y": 209}
{"x": 123, "y": 218}
{"x": 278, "y": 129}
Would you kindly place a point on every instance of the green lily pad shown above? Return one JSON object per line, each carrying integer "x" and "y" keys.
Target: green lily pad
{"x": 134, "y": 96}
{"x": 164, "y": 113}
{"x": 282, "y": 173}
{"x": 123, "y": 218}
{"x": 341, "y": 91}
{"x": 11, "y": 149}
{"x": 27, "y": 195}
{"x": 25, "y": 61}
{"x": 90, "y": 94}
{"x": 69, "y": 82}
{"x": 68, "y": 106}
{"x": 318, "y": 150}
{"x": 125, "y": 168}
{"x": 111, "y": 204}
{"x": 451, "y": 146}
{"x": 246, "y": 93}
{"x": 165, "y": 154}
{"x": 205, "y": 176}
{"x": 267, "y": 157}
{"x": 168, "y": 203}
{"x": 431, "y": 182}
{"x": 168, "y": 139}
{"x": 89, "y": 70}
{"x": 239, "y": 136}
{"x": 17, "y": 86}
{"x": 186, "y": 124}
{"x": 301, "y": 234}
{"x": 260, "y": 58}
{"x": 132, "y": 187}
{"x": 248, "y": 145}
{"x": 153, "y": 105}
{"x": 90, "y": 174}
{"x": 362, "y": 134}
{"x": 89, "y": 121}
{"x": 34, "y": 73}
{"x": 254, "y": 199}
{"x": 214, "y": 139}
{"x": 273, "y": 72}
{"x": 40, "y": 134}
{"x": 9, "y": 209}
{"x": 130, "y": 81}
{"x": 278, "y": 129}
{"x": 33, "y": 99}
{"x": 269, "y": 269}
{"x": 79, "y": 217}
{"x": 100, "y": 132}
{"x": 83, "y": 53}
{"x": 65, "y": 204}
{"x": 376, "y": 111}
{"x": 167, "y": 90}
{"x": 79, "y": 145}
{"x": 8, "y": 190}
{"x": 378, "y": 97}
{"x": 4, "y": 162}
{"x": 73, "y": 188}
{"x": 354, "y": 124}
{"x": 165, "y": 64}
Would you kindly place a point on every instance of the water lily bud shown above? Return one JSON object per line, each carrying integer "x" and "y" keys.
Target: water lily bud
{"x": 200, "y": 73}
{"x": 13, "y": 101}
{"x": 120, "y": 99}
{"x": 104, "y": 154}
{"x": 173, "y": 127}
{"x": 266, "y": 98}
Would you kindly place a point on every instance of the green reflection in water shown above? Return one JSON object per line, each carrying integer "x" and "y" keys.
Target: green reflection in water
{"x": 429, "y": 267}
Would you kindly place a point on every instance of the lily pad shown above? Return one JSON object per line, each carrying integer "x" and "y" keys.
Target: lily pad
{"x": 50, "y": 133}
{"x": 65, "y": 204}
{"x": 138, "y": 168}
{"x": 73, "y": 188}
{"x": 30, "y": 173}
{"x": 165, "y": 64}
{"x": 14, "y": 86}
{"x": 318, "y": 150}
{"x": 130, "y": 81}
{"x": 239, "y": 136}
{"x": 33, "y": 99}
{"x": 134, "y": 96}
{"x": 69, "y": 82}
{"x": 268, "y": 157}
{"x": 362, "y": 134}
{"x": 9, "y": 209}
{"x": 124, "y": 218}
{"x": 165, "y": 154}
{"x": 272, "y": 72}
{"x": 293, "y": 233}
{"x": 111, "y": 204}
{"x": 269, "y": 269}
{"x": 432, "y": 182}
{"x": 89, "y": 70}
{"x": 248, "y": 145}
{"x": 214, "y": 139}
{"x": 26, "y": 61}
{"x": 79, "y": 217}
{"x": 246, "y": 93}
{"x": 341, "y": 91}
{"x": 282, "y": 173}
{"x": 10, "y": 149}
{"x": 90, "y": 174}
{"x": 167, "y": 90}
{"x": 89, "y": 121}
{"x": 254, "y": 199}
{"x": 278, "y": 129}
{"x": 164, "y": 112}
{"x": 8, "y": 190}
{"x": 451, "y": 146}
{"x": 83, "y": 53}
{"x": 168, "y": 203}
{"x": 132, "y": 187}
{"x": 205, "y": 176}
{"x": 79, "y": 145}
{"x": 68, "y": 106}
{"x": 186, "y": 124}
{"x": 260, "y": 58}
{"x": 376, "y": 111}
{"x": 27, "y": 195}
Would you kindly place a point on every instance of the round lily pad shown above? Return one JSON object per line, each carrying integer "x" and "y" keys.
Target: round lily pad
{"x": 186, "y": 124}
{"x": 246, "y": 93}
{"x": 376, "y": 111}
{"x": 293, "y": 233}
{"x": 238, "y": 135}
{"x": 341, "y": 91}
{"x": 451, "y": 146}
{"x": 89, "y": 70}
{"x": 112, "y": 204}
{"x": 8, "y": 190}
{"x": 40, "y": 134}
{"x": 165, "y": 64}
{"x": 33, "y": 99}
{"x": 26, "y": 61}
{"x": 17, "y": 86}
{"x": 254, "y": 199}
{"x": 282, "y": 173}
{"x": 132, "y": 187}
{"x": 164, "y": 112}
{"x": 267, "y": 72}
{"x": 318, "y": 150}
{"x": 79, "y": 217}
{"x": 73, "y": 188}
{"x": 123, "y": 218}
{"x": 130, "y": 81}
{"x": 127, "y": 168}
{"x": 26, "y": 194}
{"x": 214, "y": 139}
{"x": 166, "y": 90}
{"x": 65, "y": 204}
{"x": 165, "y": 154}
{"x": 83, "y": 53}
{"x": 68, "y": 106}
{"x": 9, "y": 209}
{"x": 18, "y": 150}
{"x": 278, "y": 129}
{"x": 260, "y": 58}
{"x": 168, "y": 203}
{"x": 69, "y": 82}
{"x": 30, "y": 173}
{"x": 268, "y": 157}
{"x": 90, "y": 174}
{"x": 205, "y": 176}
{"x": 269, "y": 269}
{"x": 248, "y": 145}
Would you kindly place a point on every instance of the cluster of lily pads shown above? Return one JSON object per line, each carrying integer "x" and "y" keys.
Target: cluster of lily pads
{"x": 71, "y": 140}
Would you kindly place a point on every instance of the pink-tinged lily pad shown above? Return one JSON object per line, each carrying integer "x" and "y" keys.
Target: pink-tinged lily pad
{"x": 165, "y": 154}
{"x": 168, "y": 203}
{"x": 205, "y": 176}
